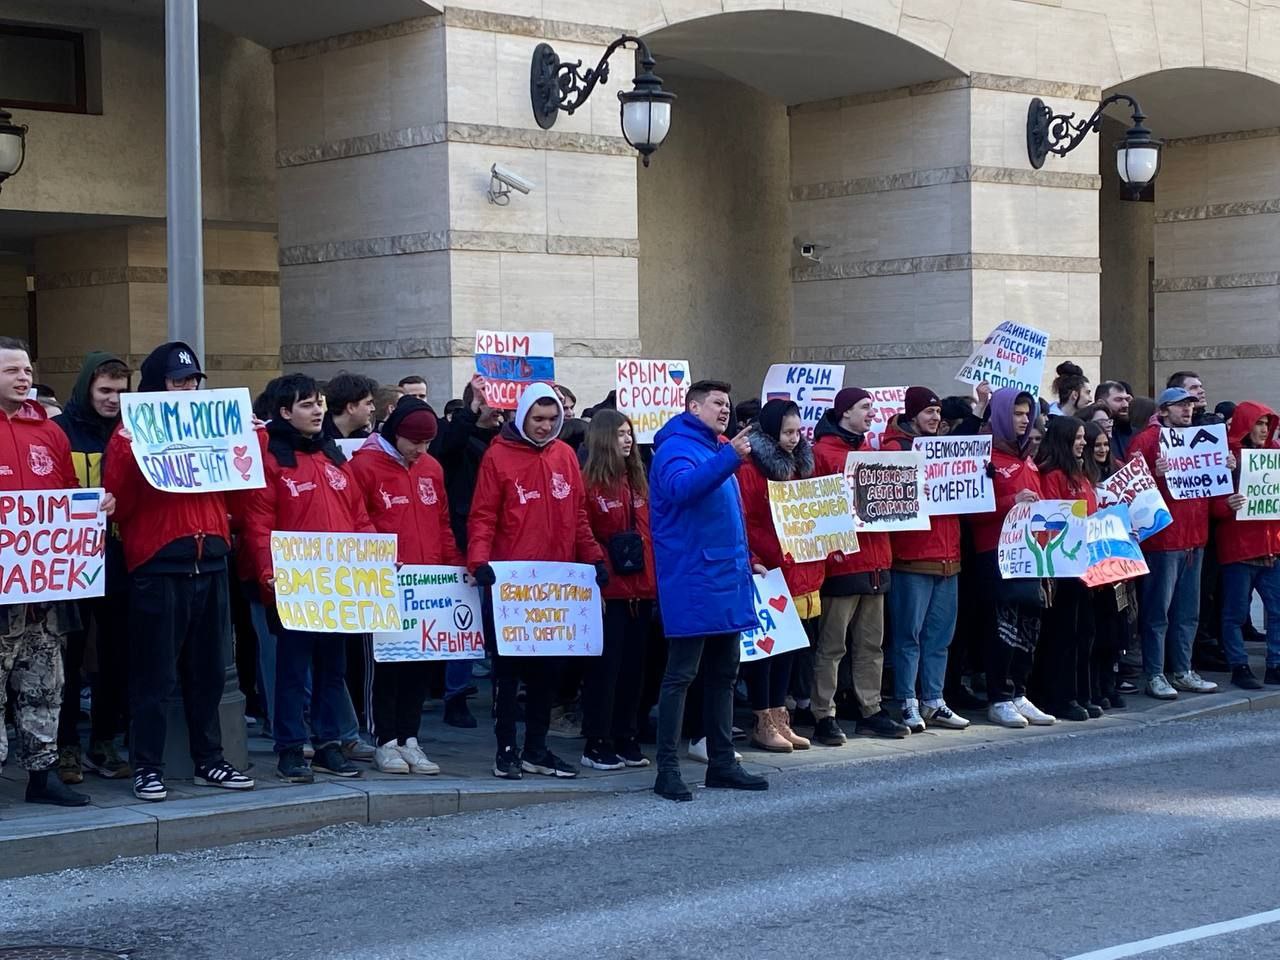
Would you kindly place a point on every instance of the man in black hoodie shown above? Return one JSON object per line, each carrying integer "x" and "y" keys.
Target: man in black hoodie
{"x": 88, "y": 421}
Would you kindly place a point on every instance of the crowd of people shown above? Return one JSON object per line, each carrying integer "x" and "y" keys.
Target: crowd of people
{"x": 675, "y": 530}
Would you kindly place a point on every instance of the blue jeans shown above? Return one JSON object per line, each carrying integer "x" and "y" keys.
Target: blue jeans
{"x": 1239, "y": 580}
{"x": 457, "y": 677}
{"x": 324, "y": 657}
{"x": 922, "y": 620}
{"x": 1169, "y": 610}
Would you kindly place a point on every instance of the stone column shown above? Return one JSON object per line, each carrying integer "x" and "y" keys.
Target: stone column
{"x": 13, "y": 299}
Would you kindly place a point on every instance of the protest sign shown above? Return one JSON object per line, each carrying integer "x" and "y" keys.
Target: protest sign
{"x": 1135, "y": 487}
{"x": 547, "y": 609}
{"x": 440, "y": 617}
{"x": 1260, "y": 484}
{"x": 335, "y": 582}
{"x": 1114, "y": 554}
{"x": 887, "y": 490}
{"x": 1197, "y": 461}
{"x": 886, "y": 403}
{"x": 1011, "y": 356}
{"x": 812, "y": 517}
{"x": 651, "y": 392}
{"x": 780, "y": 629}
{"x": 955, "y": 475}
{"x": 510, "y": 362}
{"x": 194, "y": 441}
{"x": 811, "y": 386}
{"x": 1044, "y": 539}
{"x": 52, "y": 545}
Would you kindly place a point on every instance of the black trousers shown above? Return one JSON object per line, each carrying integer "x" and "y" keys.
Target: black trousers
{"x": 541, "y": 676}
{"x": 1064, "y": 665}
{"x": 108, "y": 618}
{"x": 1010, "y": 650}
{"x": 1111, "y": 637}
{"x": 614, "y": 679}
{"x": 399, "y": 690}
{"x": 767, "y": 680}
{"x": 179, "y": 625}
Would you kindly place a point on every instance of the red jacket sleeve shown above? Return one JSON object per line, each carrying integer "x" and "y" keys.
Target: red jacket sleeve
{"x": 355, "y": 503}
{"x": 259, "y": 508}
{"x": 121, "y": 476}
{"x": 482, "y": 522}
{"x": 1054, "y": 486}
{"x": 588, "y": 548}
{"x": 762, "y": 539}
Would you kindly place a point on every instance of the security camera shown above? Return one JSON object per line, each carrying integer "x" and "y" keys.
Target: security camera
{"x": 503, "y": 182}
{"x": 812, "y": 251}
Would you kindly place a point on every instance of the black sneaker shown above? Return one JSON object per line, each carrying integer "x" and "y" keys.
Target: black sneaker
{"x": 1117, "y": 701}
{"x": 147, "y": 785}
{"x": 827, "y": 731}
{"x": 597, "y": 756}
{"x": 546, "y": 763}
{"x": 1272, "y": 677}
{"x": 1243, "y": 677}
{"x": 1125, "y": 687}
{"x": 222, "y": 774}
{"x": 629, "y": 753}
{"x": 292, "y": 767}
{"x": 331, "y": 760}
{"x": 671, "y": 786}
{"x": 1096, "y": 710}
{"x": 45, "y": 786}
{"x": 458, "y": 714}
{"x": 1070, "y": 711}
{"x": 506, "y": 766}
{"x": 735, "y": 778}
{"x": 880, "y": 724}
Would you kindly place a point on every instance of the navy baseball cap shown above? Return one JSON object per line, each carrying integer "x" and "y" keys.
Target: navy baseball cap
{"x": 182, "y": 363}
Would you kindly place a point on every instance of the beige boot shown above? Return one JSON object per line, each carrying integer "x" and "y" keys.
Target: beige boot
{"x": 782, "y": 722}
{"x": 766, "y": 735}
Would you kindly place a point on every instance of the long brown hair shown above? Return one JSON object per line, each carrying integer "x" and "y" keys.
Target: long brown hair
{"x": 606, "y": 467}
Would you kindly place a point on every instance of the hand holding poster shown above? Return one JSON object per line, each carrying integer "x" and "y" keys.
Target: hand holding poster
{"x": 52, "y": 545}
{"x": 780, "y": 629}
{"x": 1044, "y": 539}
{"x": 651, "y": 392}
{"x": 887, "y": 490}
{"x": 955, "y": 475}
{"x": 812, "y": 517}
{"x": 1114, "y": 554}
{"x": 194, "y": 441}
{"x": 811, "y": 386}
{"x": 887, "y": 403}
{"x": 547, "y": 609}
{"x": 441, "y": 617}
{"x": 1260, "y": 484}
{"x": 510, "y": 362}
{"x": 1011, "y": 356}
{"x": 335, "y": 582}
{"x": 1197, "y": 461}
{"x": 1135, "y": 487}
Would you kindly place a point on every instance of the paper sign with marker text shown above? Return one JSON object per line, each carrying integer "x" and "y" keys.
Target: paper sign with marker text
{"x": 812, "y": 517}
{"x": 335, "y": 582}
{"x": 1135, "y": 487}
{"x": 1044, "y": 539}
{"x": 810, "y": 386}
{"x": 1198, "y": 461}
{"x": 886, "y": 403}
{"x": 780, "y": 630}
{"x": 1260, "y": 484}
{"x": 887, "y": 490}
{"x": 441, "y": 617}
{"x": 651, "y": 392}
{"x": 955, "y": 475}
{"x": 1011, "y": 356}
{"x": 1114, "y": 554}
{"x": 543, "y": 608}
{"x": 511, "y": 362}
{"x": 52, "y": 545}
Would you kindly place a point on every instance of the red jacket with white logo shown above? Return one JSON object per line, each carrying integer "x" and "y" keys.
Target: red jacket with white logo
{"x": 34, "y": 452}
{"x": 1056, "y": 485}
{"x": 618, "y": 510}
{"x": 529, "y": 504}
{"x": 1012, "y": 476}
{"x": 1241, "y": 540}
{"x": 830, "y": 451}
{"x": 407, "y": 501}
{"x": 1190, "y": 527}
{"x": 934, "y": 551}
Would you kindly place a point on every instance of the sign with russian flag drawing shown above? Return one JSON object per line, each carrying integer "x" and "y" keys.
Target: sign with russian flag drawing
{"x": 780, "y": 629}
{"x": 1114, "y": 554}
{"x": 811, "y": 386}
{"x": 510, "y": 362}
{"x": 1044, "y": 539}
{"x": 651, "y": 392}
{"x": 52, "y": 545}
{"x": 441, "y": 617}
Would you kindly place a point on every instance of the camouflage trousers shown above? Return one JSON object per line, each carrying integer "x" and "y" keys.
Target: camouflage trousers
{"x": 31, "y": 673}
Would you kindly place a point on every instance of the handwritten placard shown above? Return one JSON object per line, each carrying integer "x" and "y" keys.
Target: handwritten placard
{"x": 886, "y": 403}
{"x": 781, "y": 629}
{"x": 810, "y": 386}
{"x": 52, "y": 545}
{"x": 440, "y": 617}
{"x": 1044, "y": 539}
{"x": 547, "y": 609}
{"x": 1135, "y": 487}
{"x": 335, "y": 582}
{"x": 955, "y": 475}
{"x": 1197, "y": 461}
{"x": 887, "y": 490}
{"x": 1114, "y": 554}
{"x": 1260, "y": 484}
{"x": 651, "y": 392}
{"x": 812, "y": 517}
{"x": 194, "y": 441}
{"x": 511, "y": 362}
{"x": 1011, "y": 356}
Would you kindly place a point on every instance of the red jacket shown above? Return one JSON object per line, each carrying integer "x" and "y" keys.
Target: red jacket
{"x": 151, "y": 519}
{"x": 34, "y": 452}
{"x": 1012, "y": 476}
{"x": 529, "y": 504}
{"x": 613, "y": 511}
{"x": 830, "y": 450}
{"x": 1190, "y": 527}
{"x": 918, "y": 551}
{"x": 1240, "y": 540}
{"x": 1056, "y": 485}
{"x": 407, "y": 501}
{"x": 762, "y": 537}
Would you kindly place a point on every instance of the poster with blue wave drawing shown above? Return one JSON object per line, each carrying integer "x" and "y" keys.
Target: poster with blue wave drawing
{"x": 441, "y": 617}
{"x": 1135, "y": 487}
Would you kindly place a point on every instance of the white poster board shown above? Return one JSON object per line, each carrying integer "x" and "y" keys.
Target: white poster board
{"x": 781, "y": 629}
{"x": 1197, "y": 461}
{"x": 1012, "y": 355}
{"x": 1260, "y": 484}
{"x": 511, "y": 362}
{"x": 886, "y": 403}
{"x": 812, "y": 517}
{"x": 52, "y": 545}
{"x": 810, "y": 386}
{"x": 651, "y": 392}
{"x": 1047, "y": 538}
{"x": 955, "y": 475}
{"x": 887, "y": 490}
{"x": 335, "y": 582}
{"x": 440, "y": 617}
{"x": 1134, "y": 487}
{"x": 543, "y": 608}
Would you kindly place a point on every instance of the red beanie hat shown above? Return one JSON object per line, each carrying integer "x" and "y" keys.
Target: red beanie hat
{"x": 418, "y": 427}
{"x": 918, "y": 399}
{"x": 847, "y": 398}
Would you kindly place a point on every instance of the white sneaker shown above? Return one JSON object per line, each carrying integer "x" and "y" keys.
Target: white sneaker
{"x": 418, "y": 761}
{"x": 1158, "y": 687}
{"x": 1004, "y": 713}
{"x": 1192, "y": 682}
{"x": 387, "y": 758}
{"x": 698, "y": 751}
{"x": 1036, "y": 716}
{"x": 941, "y": 715}
{"x": 911, "y": 716}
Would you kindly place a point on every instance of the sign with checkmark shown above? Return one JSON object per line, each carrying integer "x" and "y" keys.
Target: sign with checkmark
{"x": 440, "y": 613}
{"x": 52, "y": 542}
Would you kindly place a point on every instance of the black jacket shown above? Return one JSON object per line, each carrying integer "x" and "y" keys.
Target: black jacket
{"x": 460, "y": 446}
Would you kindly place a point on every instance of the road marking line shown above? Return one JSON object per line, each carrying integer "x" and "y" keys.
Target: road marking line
{"x": 1138, "y": 947}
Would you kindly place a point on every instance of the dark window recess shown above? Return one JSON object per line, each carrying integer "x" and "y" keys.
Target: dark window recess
{"x": 42, "y": 69}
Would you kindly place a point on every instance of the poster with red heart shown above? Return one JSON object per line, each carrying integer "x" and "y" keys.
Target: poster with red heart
{"x": 780, "y": 629}
{"x": 651, "y": 392}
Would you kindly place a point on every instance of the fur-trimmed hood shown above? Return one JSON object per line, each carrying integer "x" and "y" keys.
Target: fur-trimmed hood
{"x": 774, "y": 462}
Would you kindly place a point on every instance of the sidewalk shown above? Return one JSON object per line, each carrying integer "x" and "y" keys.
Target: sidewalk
{"x": 35, "y": 839}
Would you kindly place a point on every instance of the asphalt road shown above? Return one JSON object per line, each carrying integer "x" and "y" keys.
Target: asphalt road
{"x": 1050, "y": 848}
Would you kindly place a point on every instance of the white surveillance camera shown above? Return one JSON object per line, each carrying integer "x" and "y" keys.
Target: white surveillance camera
{"x": 503, "y": 182}
{"x": 812, "y": 251}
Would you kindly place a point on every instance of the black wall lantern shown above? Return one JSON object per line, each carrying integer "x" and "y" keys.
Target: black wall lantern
{"x": 1137, "y": 155}
{"x": 646, "y": 108}
{"x": 13, "y": 146}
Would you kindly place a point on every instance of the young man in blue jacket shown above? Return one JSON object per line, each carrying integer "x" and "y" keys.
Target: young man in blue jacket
{"x": 704, "y": 581}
